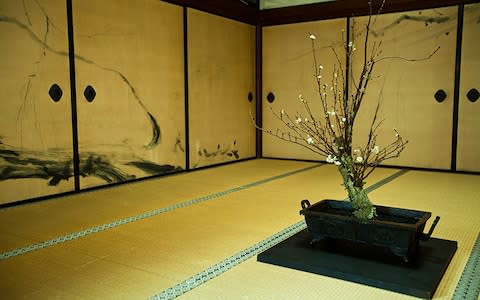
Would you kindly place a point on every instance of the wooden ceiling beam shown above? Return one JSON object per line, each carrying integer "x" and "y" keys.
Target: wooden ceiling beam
{"x": 344, "y": 8}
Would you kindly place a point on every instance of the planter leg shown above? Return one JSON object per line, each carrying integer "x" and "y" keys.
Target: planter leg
{"x": 401, "y": 252}
{"x": 315, "y": 240}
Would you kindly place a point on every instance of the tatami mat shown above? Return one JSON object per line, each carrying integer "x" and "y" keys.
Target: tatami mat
{"x": 34, "y": 222}
{"x": 140, "y": 259}
{"x": 454, "y": 197}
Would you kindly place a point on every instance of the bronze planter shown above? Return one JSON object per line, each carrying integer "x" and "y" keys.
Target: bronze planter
{"x": 397, "y": 229}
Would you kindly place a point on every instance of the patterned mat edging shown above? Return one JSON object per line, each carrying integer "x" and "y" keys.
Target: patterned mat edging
{"x": 385, "y": 180}
{"x": 225, "y": 265}
{"x": 103, "y": 227}
{"x": 229, "y": 263}
{"x": 468, "y": 287}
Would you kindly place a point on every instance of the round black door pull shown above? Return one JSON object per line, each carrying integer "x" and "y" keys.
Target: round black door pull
{"x": 89, "y": 93}
{"x": 250, "y": 97}
{"x": 440, "y": 96}
{"x": 270, "y": 97}
{"x": 55, "y": 92}
{"x": 473, "y": 95}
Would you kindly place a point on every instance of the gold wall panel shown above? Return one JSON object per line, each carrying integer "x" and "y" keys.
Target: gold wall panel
{"x": 288, "y": 71}
{"x": 131, "y": 54}
{"x": 221, "y": 74}
{"x": 35, "y": 131}
{"x": 468, "y": 150}
{"x": 406, "y": 89}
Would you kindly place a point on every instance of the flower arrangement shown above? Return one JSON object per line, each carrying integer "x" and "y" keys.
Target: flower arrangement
{"x": 329, "y": 132}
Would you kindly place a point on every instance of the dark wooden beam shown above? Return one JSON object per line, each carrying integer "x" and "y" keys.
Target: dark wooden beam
{"x": 344, "y": 8}
{"x": 258, "y": 89}
{"x": 232, "y": 9}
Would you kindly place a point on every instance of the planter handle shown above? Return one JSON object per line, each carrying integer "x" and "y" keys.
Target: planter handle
{"x": 425, "y": 237}
{"x": 305, "y": 204}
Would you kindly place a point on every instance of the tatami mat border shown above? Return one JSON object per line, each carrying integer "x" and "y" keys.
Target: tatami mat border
{"x": 103, "y": 227}
{"x": 227, "y": 264}
{"x": 468, "y": 287}
{"x": 384, "y": 181}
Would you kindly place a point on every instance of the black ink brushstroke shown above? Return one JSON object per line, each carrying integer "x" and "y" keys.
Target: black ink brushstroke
{"x": 25, "y": 99}
{"x": 228, "y": 151}
{"x": 99, "y": 166}
{"x": 56, "y": 166}
{"x": 219, "y": 152}
{"x": 405, "y": 17}
{"x": 156, "y": 133}
{"x": 26, "y": 13}
{"x": 45, "y": 37}
{"x": 178, "y": 144}
{"x": 152, "y": 168}
{"x": 153, "y": 122}
{"x": 235, "y": 153}
{"x": 53, "y": 171}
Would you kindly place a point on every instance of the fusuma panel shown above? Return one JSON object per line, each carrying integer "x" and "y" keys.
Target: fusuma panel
{"x": 289, "y": 72}
{"x": 468, "y": 151}
{"x": 35, "y": 110}
{"x": 412, "y": 81}
{"x": 221, "y": 76}
{"x": 130, "y": 89}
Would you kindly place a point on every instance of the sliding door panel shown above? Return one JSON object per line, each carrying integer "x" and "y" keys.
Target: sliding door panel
{"x": 130, "y": 89}
{"x": 221, "y": 73}
{"x": 35, "y": 109}
{"x": 415, "y": 91}
{"x": 288, "y": 71}
{"x": 468, "y": 151}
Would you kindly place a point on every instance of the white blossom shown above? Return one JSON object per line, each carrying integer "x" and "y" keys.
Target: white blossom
{"x": 306, "y": 120}
{"x": 309, "y": 140}
{"x": 376, "y": 149}
{"x": 320, "y": 67}
{"x": 396, "y": 132}
{"x": 344, "y": 119}
{"x": 337, "y": 162}
{"x": 298, "y": 120}
{"x": 312, "y": 37}
{"x": 359, "y": 159}
{"x": 282, "y": 111}
{"x": 301, "y": 98}
{"x": 331, "y": 158}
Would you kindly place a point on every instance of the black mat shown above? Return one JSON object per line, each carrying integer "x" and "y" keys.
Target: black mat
{"x": 354, "y": 263}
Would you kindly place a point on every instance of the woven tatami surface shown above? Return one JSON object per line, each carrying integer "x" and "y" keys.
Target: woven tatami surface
{"x": 142, "y": 258}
